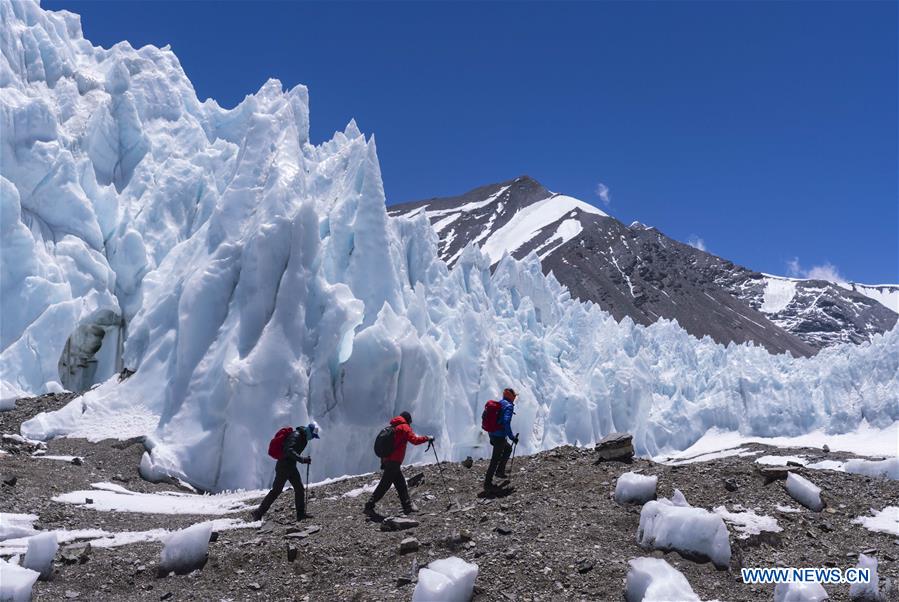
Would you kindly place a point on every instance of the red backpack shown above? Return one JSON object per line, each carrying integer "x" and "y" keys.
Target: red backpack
{"x": 490, "y": 417}
{"x": 276, "y": 446}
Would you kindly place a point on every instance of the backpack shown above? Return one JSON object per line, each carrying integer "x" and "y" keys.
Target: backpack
{"x": 276, "y": 445}
{"x": 384, "y": 442}
{"x": 490, "y": 416}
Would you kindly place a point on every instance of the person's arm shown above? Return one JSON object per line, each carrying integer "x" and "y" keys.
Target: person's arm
{"x": 416, "y": 439}
{"x": 508, "y": 410}
{"x": 294, "y": 447}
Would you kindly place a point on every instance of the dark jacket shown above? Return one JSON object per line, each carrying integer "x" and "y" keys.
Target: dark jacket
{"x": 402, "y": 434}
{"x": 294, "y": 444}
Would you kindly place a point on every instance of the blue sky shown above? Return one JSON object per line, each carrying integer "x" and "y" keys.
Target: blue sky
{"x": 768, "y": 130}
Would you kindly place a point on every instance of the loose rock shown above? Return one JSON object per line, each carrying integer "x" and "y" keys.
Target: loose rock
{"x": 410, "y": 544}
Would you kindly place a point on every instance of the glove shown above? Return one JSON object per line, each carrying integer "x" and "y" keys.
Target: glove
{"x": 431, "y": 439}
{"x": 305, "y": 460}
{"x": 515, "y": 439}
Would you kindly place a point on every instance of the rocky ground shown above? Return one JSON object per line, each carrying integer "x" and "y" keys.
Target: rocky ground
{"x": 558, "y": 535}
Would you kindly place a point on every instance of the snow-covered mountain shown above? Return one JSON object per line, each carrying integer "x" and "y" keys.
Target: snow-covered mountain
{"x": 639, "y": 272}
{"x": 246, "y": 279}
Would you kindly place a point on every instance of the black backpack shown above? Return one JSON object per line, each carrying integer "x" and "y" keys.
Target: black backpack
{"x": 384, "y": 442}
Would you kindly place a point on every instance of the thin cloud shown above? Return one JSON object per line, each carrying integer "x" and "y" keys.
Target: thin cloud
{"x": 697, "y": 243}
{"x": 604, "y": 194}
{"x": 825, "y": 271}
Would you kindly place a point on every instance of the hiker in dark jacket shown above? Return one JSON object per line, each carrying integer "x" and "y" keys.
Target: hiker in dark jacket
{"x": 393, "y": 474}
{"x": 286, "y": 470}
{"x": 499, "y": 439}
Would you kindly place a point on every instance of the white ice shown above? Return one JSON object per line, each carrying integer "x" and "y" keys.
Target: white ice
{"x": 633, "y": 488}
{"x": 799, "y": 592}
{"x": 16, "y": 525}
{"x": 446, "y": 580}
{"x": 111, "y": 497}
{"x": 252, "y": 279}
{"x": 654, "y": 580}
{"x": 865, "y": 440}
{"x": 888, "y": 469}
{"x": 805, "y": 492}
{"x": 186, "y": 550}
{"x": 16, "y": 582}
{"x": 747, "y": 523}
{"x": 40, "y": 553}
{"x": 870, "y": 591}
{"x": 881, "y": 521}
{"x": 707, "y": 457}
{"x": 100, "y": 538}
{"x": 781, "y": 460}
{"x": 669, "y": 525}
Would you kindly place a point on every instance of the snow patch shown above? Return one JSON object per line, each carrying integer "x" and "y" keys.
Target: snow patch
{"x": 778, "y": 295}
{"x": 748, "y": 523}
{"x": 799, "y": 592}
{"x": 882, "y": 521}
{"x": 112, "y": 497}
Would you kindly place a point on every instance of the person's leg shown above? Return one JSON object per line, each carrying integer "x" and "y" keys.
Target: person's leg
{"x": 383, "y": 485}
{"x": 496, "y": 442}
{"x": 506, "y": 451}
{"x": 293, "y": 475}
{"x": 277, "y": 488}
{"x": 402, "y": 489}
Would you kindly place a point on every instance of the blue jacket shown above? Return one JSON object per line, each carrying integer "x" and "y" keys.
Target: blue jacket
{"x": 505, "y": 419}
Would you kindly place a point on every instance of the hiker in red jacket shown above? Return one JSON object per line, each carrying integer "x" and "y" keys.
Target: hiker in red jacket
{"x": 390, "y": 464}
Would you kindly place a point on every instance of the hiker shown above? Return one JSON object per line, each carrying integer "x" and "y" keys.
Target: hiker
{"x": 391, "y": 462}
{"x": 286, "y": 447}
{"x": 497, "y": 421}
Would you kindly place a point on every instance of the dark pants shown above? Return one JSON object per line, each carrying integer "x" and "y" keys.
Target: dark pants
{"x": 285, "y": 470}
{"x": 502, "y": 449}
{"x": 392, "y": 475}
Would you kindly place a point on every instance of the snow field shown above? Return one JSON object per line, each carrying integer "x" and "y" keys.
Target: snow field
{"x": 805, "y": 492}
{"x": 633, "y": 488}
{"x": 799, "y": 592}
{"x": 41, "y": 551}
{"x": 446, "y": 580}
{"x": 654, "y": 580}
{"x": 887, "y": 469}
{"x": 16, "y": 582}
{"x": 186, "y": 550}
{"x": 672, "y": 524}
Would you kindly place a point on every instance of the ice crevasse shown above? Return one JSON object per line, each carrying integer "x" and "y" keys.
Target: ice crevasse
{"x": 252, "y": 279}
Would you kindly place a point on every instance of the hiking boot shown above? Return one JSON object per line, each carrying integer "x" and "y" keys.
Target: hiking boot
{"x": 409, "y": 508}
{"x": 304, "y": 516}
{"x": 255, "y": 516}
{"x": 369, "y": 509}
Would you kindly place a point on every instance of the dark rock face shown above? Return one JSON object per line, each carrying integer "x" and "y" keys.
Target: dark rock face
{"x": 637, "y": 272}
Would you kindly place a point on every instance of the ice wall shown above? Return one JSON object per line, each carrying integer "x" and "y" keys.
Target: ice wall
{"x": 258, "y": 282}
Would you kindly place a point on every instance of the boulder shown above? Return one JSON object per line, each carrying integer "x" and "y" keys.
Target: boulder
{"x": 618, "y": 447}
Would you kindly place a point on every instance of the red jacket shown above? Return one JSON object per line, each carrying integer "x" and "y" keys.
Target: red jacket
{"x": 402, "y": 434}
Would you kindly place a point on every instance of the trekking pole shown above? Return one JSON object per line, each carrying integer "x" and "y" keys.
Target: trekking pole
{"x": 443, "y": 478}
{"x": 514, "y": 447}
{"x": 306, "y": 488}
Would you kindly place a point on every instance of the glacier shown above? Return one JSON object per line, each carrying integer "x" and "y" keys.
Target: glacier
{"x": 209, "y": 275}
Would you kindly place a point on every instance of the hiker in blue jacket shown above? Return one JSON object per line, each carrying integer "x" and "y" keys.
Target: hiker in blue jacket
{"x": 499, "y": 439}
